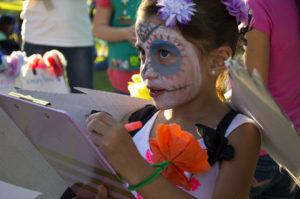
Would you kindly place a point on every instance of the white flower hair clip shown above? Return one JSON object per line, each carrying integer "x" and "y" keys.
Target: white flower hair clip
{"x": 176, "y": 10}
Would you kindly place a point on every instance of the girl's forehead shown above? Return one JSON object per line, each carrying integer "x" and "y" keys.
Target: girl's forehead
{"x": 144, "y": 30}
{"x": 148, "y": 29}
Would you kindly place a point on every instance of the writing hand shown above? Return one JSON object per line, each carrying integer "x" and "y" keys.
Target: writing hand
{"x": 113, "y": 141}
{"x": 103, "y": 193}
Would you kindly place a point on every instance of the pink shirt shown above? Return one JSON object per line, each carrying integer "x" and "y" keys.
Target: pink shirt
{"x": 118, "y": 77}
{"x": 279, "y": 19}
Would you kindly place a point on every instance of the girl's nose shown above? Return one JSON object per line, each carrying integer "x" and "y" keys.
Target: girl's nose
{"x": 148, "y": 72}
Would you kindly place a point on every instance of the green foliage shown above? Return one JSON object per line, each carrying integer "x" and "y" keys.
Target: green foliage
{"x": 101, "y": 81}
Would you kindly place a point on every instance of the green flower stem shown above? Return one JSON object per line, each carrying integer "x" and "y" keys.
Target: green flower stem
{"x": 160, "y": 167}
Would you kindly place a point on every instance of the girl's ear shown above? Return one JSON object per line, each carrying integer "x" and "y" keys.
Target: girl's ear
{"x": 219, "y": 56}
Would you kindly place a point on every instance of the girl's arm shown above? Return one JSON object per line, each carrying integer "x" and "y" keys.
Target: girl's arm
{"x": 103, "y": 30}
{"x": 119, "y": 149}
{"x": 235, "y": 177}
{"x": 117, "y": 146}
{"x": 258, "y": 53}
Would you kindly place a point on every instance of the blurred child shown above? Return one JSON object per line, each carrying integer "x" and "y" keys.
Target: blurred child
{"x": 114, "y": 22}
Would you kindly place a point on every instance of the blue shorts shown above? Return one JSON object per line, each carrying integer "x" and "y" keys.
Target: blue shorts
{"x": 271, "y": 182}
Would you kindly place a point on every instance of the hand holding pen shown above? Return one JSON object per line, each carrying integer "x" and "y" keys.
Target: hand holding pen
{"x": 132, "y": 126}
{"x": 113, "y": 140}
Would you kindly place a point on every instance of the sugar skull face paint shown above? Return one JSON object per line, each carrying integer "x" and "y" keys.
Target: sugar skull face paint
{"x": 166, "y": 57}
{"x": 169, "y": 65}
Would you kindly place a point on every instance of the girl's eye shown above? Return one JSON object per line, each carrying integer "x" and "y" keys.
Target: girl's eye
{"x": 164, "y": 53}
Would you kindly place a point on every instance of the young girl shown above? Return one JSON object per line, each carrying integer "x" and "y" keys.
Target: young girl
{"x": 183, "y": 46}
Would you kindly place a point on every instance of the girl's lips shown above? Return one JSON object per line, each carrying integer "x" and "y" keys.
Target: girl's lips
{"x": 155, "y": 92}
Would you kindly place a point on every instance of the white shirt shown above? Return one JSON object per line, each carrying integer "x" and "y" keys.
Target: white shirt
{"x": 203, "y": 185}
{"x": 66, "y": 25}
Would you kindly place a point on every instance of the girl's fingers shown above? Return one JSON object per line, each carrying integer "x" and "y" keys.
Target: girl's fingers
{"x": 106, "y": 118}
{"x": 99, "y": 126}
{"x": 96, "y": 139}
{"x": 102, "y": 192}
{"x": 96, "y": 126}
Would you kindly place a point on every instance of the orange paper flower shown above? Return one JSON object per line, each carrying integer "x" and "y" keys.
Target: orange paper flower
{"x": 182, "y": 150}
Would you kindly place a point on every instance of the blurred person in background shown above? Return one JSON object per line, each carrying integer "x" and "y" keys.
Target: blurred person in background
{"x": 7, "y": 44}
{"x": 64, "y": 25}
{"x": 273, "y": 48}
{"x": 114, "y": 22}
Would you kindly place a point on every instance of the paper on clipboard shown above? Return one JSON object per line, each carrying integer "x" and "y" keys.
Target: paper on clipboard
{"x": 65, "y": 146}
{"x": 116, "y": 104}
{"x": 78, "y": 105}
{"x": 280, "y": 138}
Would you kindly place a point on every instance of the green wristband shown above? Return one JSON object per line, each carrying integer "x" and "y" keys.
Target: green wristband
{"x": 160, "y": 167}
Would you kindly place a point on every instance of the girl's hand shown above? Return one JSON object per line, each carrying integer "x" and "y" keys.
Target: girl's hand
{"x": 102, "y": 193}
{"x": 114, "y": 142}
{"x": 131, "y": 35}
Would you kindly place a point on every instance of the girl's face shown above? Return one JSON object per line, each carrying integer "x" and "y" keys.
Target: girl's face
{"x": 169, "y": 65}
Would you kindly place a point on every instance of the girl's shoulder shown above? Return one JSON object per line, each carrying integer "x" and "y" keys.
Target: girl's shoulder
{"x": 221, "y": 142}
{"x": 244, "y": 137}
{"x": 239, "y": 120}
{"x": 243, "y": 133}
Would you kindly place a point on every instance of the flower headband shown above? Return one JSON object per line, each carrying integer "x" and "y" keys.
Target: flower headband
{"x": 238, "y": 9}
{"x": 176, "y": 10}
{"x": 182, "y": 11}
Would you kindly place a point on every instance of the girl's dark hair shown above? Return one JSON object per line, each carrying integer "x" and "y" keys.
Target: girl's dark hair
{"x": 210, "y": 27}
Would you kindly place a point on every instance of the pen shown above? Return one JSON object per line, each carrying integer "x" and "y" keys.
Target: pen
{"x": 132, "y": 126}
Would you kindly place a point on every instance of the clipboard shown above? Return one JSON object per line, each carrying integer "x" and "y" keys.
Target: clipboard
{"x": 64, "y": 145}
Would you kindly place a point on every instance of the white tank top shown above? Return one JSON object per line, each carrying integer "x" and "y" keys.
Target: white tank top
{"x": 202, "y": 185}
{"x": 66, "y": 25}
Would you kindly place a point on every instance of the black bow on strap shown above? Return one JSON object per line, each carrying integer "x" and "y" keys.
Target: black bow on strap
{"x": 217, "y": 145}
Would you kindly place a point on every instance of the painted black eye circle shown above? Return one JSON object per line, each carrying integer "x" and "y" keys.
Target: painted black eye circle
{"x": 164, "y": 53}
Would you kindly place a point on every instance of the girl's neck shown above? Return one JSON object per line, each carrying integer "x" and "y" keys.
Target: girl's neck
{"x": 207, "y": 110}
